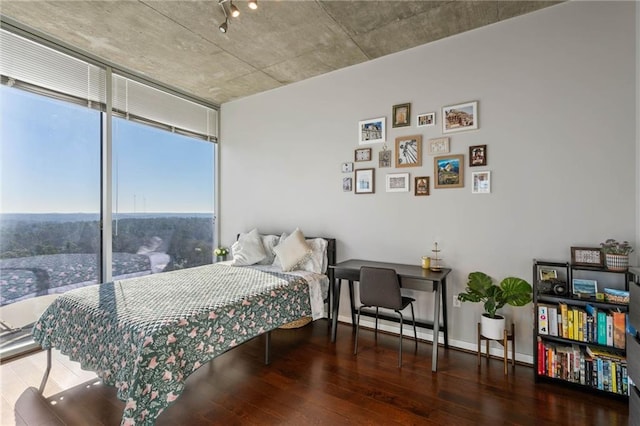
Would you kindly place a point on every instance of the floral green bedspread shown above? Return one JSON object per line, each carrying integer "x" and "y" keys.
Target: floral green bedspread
{"x": 146, "y": 335}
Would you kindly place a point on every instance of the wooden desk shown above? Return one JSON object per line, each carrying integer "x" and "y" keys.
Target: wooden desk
{"x": 350, "y": 270}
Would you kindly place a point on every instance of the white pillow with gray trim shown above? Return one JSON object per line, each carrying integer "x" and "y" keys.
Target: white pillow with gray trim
{"x": 293, "y": 251}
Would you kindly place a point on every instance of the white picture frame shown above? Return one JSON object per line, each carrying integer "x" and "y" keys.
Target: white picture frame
{"x": 460, "y": 117}
{"x": 481, "y": 182}
{"x": 426, "y": 120}
{"x": 373, "y": 130}
{"x": 347, "y": 167}
{"x": 437, "y": 146}
{"x": 397, "y": 182}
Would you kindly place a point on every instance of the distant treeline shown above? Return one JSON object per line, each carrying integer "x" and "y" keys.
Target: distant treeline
{"x": 188, "y": 240}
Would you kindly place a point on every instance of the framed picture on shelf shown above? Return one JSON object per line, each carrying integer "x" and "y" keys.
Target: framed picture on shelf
{"x": 347, "y": 167}
{"x": 372, "y": 131}
{"x": 401, "y": 115}
{"x": 421, "y": 185}
{"x": 584, "y": 287}
{"x": 460, "y": 117}
{"x": 587, "y": 256}
{"x": 438, "y": 146}
{"x": 409, "y": 151}
{"x": 481, "y": 182}
{"x": 477, "y": 155}
{"x": 426, "y": 120}
{"x": 548, "y": 274}
{"x": 448, "y": 171}
{"x": 398, "y": 182}
{"x": 363, "y": 154}
{"x": 347, "y": 184}
{"x": 364, "y": 181}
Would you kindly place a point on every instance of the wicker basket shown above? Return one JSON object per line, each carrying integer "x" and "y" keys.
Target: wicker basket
{"x": 301, "y": 322}
{"x": 617, "y": 262}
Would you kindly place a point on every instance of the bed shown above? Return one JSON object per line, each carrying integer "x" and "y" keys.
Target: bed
{"x": 146, "y": 335}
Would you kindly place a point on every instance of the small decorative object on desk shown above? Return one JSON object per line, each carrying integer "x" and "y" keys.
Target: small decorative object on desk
{"x": 426, "y": 262}
{"x": 221, "y": 253}
{"x": 616, "y": 254}
{"x": 435, "y": 266}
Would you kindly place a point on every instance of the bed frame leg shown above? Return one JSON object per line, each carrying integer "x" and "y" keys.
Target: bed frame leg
{"x": 267, "y": 348}
{"x": 46, "y": 372}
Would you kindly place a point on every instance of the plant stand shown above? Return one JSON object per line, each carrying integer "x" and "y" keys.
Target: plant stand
{"x": 508, "y": 336}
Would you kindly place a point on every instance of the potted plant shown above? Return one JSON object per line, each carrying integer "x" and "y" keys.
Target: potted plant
{"x": 221, "y": 253}
{"x": 616, "y": 254}
{"x": 511, "y": 291}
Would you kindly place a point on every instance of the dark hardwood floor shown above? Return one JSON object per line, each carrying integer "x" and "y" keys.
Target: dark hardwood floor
{"x": 313, "y": 382}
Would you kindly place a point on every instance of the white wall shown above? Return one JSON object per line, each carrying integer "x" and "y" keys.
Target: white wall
{"x": 556, "y": 110}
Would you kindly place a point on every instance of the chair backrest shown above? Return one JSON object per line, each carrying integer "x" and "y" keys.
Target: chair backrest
{"x": 380, "y": 287}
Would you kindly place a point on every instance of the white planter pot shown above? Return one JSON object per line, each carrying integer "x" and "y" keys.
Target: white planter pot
{"x": 492, "y": 328}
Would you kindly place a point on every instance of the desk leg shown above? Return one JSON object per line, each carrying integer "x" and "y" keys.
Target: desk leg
{"x": 353, "y": 306}
{"x": 337, "y": 284}
{"x": 436, "y": 328}
{"x": 444, "y": 313}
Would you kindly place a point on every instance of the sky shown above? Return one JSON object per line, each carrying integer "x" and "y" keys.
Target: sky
{"x": 50, "y": 161}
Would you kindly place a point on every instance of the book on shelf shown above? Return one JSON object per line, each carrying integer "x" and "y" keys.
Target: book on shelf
{"x": 619, "y": 327}
{"x": 565, "y": 322}
{"x": 602, "y": 328}
{"x": 543, "y": 319}
{"x": 570, "y": 326}
{"x": 553, "y": 320}
{"x": 609, "y": 330}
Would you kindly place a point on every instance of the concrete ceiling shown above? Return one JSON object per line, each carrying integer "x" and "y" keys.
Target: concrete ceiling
{"x": 178, "y": 42}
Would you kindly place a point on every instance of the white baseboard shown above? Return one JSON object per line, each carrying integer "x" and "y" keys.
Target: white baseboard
{"x": 427, "y": 335}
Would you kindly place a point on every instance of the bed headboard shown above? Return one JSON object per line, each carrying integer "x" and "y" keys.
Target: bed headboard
{"x": 331, "y": 246}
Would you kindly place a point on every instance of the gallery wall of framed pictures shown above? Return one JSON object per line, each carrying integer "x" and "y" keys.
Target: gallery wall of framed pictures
{"x": 406, "y": 151}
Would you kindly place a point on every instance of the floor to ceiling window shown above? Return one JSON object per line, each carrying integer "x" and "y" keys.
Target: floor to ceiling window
{"x": 58, "y": 231}
{"x": 162, "y": 200}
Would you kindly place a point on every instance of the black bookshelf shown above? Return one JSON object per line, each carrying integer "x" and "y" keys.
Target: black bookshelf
{"x": 566, "y": 361}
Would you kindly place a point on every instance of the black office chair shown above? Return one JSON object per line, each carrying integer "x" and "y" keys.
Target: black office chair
{"x": 380, "y": 288}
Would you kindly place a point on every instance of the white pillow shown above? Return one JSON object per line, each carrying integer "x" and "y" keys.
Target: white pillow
{"x": 269, "y": 242}
{"x": 317, "y": 262}
{"x": 248, "y": 250}
{"x": 293, "y": 251}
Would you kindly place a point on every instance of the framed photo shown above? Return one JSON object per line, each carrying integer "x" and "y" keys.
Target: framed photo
{"x": 438, "y": 146}
{"x": 426, "y": 120}
{"x": 384, "y": 158}
{"x": 372, "y": 131}
{"x": 409, "y": 151}
{"x": 460, "y": 117}
{"x": 587, "y": 256}
{"x": 347, "y": 167}
{"x": 449, "y": 171}
{"x": 481, "y": 182}
{"x": 477, "y": 155}
{"x": 547, "y": 274}
{"x": 363, "y": 154}
{"x": 421, "y": 185}
{"x": 365, "y": 182}
{"x": 398, "y": 182}
{"x": 584, "y": 287}
{"x": 401, "y": 115}
{"x": 347, "y": 184}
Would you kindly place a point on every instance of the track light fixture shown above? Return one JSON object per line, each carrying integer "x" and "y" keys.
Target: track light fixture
{"x": 224, "y": 26}
{"x": 233, "y": 11}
